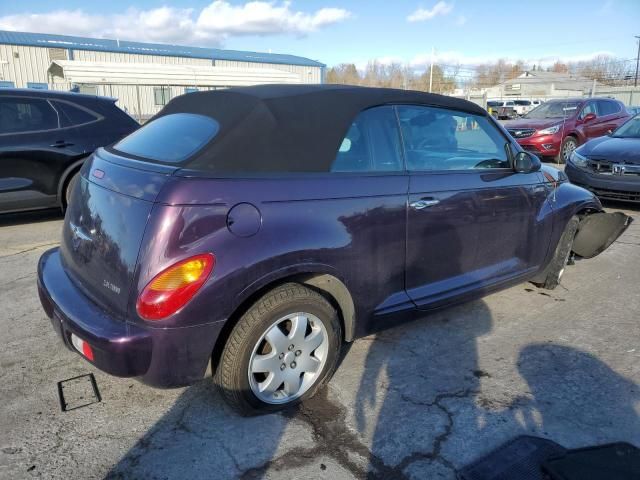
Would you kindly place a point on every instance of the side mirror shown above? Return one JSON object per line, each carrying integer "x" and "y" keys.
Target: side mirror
{"x": 589, "y": 117}
{"x": 526, "y": 162}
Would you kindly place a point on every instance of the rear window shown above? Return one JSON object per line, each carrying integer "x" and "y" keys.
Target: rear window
{"x": 170, "y": 139}
{"x": 608, "y": 107}
{"x": 72, "y": 115}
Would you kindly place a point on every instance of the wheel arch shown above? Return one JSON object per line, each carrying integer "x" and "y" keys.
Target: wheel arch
{"x": 66, "y": 176}
{"x": 327, "y": 284}
{"x": 575, "y": 134}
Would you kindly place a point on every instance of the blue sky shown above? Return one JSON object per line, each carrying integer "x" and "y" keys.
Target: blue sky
{"x": 335, "y": 31}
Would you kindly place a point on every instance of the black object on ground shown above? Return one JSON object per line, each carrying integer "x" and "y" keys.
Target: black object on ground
{"x": 533, "y": 458}
{"x": 78, "y": 392}
{"x": 615, "y": 461}
{"x": 518, "y": 459}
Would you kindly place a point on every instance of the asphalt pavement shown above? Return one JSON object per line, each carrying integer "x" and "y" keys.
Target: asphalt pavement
{"x": 418, "y": 401}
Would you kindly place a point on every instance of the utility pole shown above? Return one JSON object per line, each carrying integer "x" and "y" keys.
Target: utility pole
{"x": 637, "y": 62}
{"x": 433, "y": 52}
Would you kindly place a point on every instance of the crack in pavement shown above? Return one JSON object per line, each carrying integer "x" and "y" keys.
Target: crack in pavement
{"x": 30, "y": 249}
{"x": 436, "y": 452}
{"x": 334, "y": 439}
{"x": 15, "y": 280}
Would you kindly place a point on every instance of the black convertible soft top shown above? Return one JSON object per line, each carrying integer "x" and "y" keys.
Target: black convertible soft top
{"x": 288, "y": 128}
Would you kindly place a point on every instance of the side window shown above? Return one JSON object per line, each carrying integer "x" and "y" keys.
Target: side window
{"x": 442, "y": 139}
{"x": 372, "y": 143}
{"x": 72, "y": 115}
{"x": 590, "y": 107}
{"x": 161, "y": 95}
{"x": 608, "y": 107}
{"x": 18, "y": 115}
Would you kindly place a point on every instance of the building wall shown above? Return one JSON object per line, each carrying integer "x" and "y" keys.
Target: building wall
{"x": 31, "y": 65}
{"x": 26, "y": 64}
{"x": 137, "y": 100}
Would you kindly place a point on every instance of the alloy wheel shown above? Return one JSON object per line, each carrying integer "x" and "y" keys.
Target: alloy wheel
{"x": 288, "y": 358}
{"x": 567, "y": 149}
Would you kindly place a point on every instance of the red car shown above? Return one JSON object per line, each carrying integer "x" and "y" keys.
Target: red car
{"x": 557, "y": 127}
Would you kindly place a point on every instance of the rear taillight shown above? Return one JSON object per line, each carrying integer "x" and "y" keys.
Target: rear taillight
{"x": 172, "y": 288}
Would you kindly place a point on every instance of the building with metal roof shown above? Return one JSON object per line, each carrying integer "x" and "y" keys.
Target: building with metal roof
{"x": 144, "y": 76}
{"x": 46, "y": 40}
{"x": 541, "y": 84}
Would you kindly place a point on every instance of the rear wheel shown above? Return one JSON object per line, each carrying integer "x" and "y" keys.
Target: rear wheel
{"x": 567, "y": 147}
{"x": 552, "y": 275}
{"x": 281, "y": 351}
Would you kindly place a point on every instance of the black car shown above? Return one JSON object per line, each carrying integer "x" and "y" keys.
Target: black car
{"x": 44, "y": 138}
{"x": 610, "y": 166}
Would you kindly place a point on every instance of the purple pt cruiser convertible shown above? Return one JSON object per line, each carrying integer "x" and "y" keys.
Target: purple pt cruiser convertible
{"x": 258, "y": 229}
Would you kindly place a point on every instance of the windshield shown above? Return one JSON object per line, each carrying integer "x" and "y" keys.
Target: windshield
{"x": 630, "y": 129}
{"x": 554, "y": 110}
{"x": 523, "y": 102}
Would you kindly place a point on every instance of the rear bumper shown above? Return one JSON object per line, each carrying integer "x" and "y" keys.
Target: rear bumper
{"x": 610, "y": 187}
{"x": 161, "y": 357}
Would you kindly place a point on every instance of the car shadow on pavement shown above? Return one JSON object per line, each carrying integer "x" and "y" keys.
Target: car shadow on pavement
{"x": 423, "y": 370}
{"x": 201, "y": 437}
{"x": 575, "y": 398}
{"x": 438, "y": 411}
{"x": 376, "y": 427}
{"x": 423, "y": 409}
{"x": 23, "y": 218}
{"x": 614, "y": 205}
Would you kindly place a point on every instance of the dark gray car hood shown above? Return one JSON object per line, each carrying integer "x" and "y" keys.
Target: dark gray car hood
{"x": 619, "y": 150}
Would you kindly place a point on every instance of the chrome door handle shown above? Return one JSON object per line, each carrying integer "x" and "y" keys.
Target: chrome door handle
{"x": 420, "y": 204}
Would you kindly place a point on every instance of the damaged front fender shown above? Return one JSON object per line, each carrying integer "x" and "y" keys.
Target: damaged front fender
{"x": 596, "y": 232}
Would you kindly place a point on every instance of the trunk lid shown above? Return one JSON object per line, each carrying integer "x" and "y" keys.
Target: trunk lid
{"x": 105, "y": 223}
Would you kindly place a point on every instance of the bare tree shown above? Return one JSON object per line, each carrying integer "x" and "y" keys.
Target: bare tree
{"x": 345, "y": 73}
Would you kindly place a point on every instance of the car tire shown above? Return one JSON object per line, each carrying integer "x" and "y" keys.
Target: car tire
{"x": 68, "y": 189}
{"x": 552, "y": 275}
{"x": 569, "y": 144}
{"x": 258, "y": 341}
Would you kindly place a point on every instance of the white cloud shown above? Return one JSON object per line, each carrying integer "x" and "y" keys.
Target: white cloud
{"x": 422, "y": 14}
{"x": 209, "y": 26}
